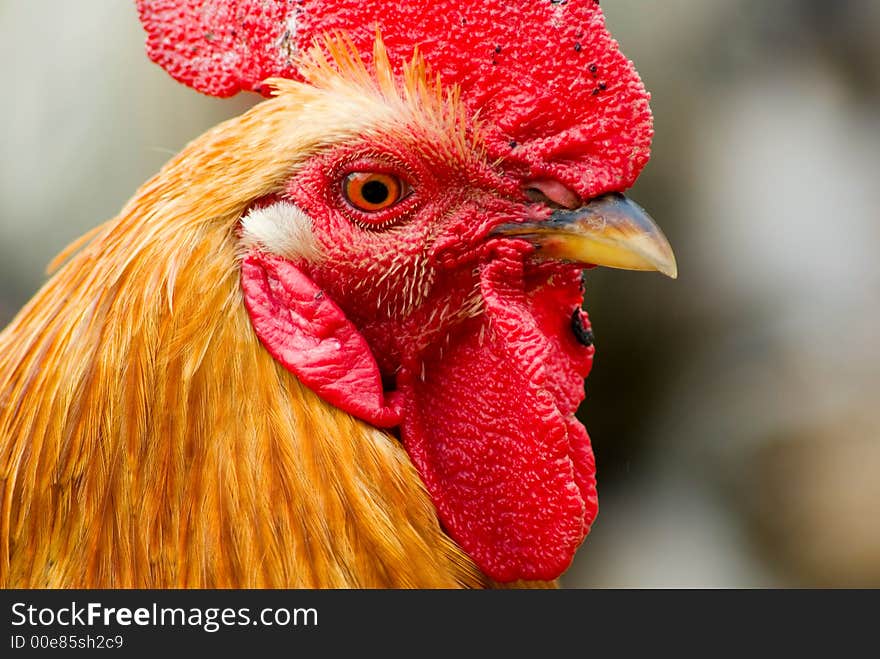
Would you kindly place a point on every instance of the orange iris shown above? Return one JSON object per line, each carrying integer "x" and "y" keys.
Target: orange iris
{"x": 372, "y": 191}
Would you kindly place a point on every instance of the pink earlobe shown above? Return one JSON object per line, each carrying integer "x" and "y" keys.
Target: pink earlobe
{"x": 310, "y": 336}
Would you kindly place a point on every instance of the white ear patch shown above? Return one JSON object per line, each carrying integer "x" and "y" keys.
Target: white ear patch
{"x": 282, "y": 229}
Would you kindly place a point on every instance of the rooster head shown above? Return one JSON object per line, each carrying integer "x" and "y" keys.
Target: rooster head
{"x": 441, "y": 175}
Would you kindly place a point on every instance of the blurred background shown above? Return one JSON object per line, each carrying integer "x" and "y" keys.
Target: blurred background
{"x": 735, "y": 413}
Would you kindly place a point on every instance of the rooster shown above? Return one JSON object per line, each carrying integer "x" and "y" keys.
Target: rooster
{"x": 337, "y": 341}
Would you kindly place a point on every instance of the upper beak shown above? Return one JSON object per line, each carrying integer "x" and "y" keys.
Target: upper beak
{"x": 610, "y": 230}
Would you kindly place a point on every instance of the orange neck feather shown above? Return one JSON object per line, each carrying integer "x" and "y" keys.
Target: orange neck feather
{"x": 147, "y": 439}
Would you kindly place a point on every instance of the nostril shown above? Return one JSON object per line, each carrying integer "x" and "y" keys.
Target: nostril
{"x": 534, "y": 194}
{"x": 549, "y": 190}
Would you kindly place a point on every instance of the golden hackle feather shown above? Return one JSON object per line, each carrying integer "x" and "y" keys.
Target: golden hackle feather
{"x": 146, "y": 437}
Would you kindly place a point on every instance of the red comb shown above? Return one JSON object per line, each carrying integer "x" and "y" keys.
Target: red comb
{"x": 558, "y": 97}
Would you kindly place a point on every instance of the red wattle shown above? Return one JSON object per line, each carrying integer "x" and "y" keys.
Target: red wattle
{"x": 489, "y": 425}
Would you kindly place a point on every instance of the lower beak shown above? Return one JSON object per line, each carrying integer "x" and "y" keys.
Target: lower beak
{"x": 611, "y": 231}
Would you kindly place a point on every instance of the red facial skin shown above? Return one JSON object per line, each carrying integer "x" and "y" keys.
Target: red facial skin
{"x": 485, "y": 399}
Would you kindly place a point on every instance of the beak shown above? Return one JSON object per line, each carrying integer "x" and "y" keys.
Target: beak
{"x": 611, "y": 231}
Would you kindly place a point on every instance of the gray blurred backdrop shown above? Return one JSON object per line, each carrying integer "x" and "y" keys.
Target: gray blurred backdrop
{"x": 735, "y": 413}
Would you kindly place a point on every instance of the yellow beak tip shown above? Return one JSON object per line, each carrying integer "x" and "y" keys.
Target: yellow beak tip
{"x": 670, "y": 269}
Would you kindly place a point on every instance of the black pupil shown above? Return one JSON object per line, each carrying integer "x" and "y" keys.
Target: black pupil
{"x": 375, "y": 192}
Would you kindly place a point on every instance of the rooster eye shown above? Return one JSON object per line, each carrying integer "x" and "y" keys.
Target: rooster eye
{"x": 372, "y": 191}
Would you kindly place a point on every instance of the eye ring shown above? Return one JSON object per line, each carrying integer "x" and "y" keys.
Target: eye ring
{"x": 371, "y": 192}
